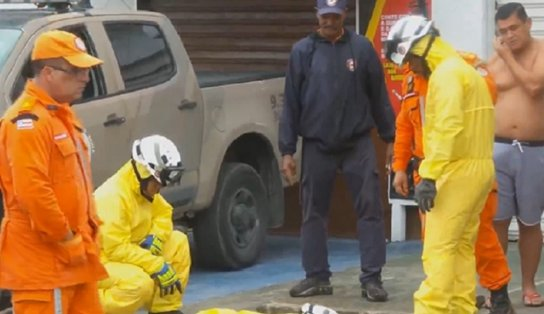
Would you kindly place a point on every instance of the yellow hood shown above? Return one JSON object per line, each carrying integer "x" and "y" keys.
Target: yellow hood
{"x": 459, "y": 116}
{"x": 440, "y": 51}
{"x": 127, "y": 175}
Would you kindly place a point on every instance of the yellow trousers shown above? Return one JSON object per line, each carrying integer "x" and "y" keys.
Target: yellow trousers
{"x": 451, "y": 229}
{"x": 129, "y": 288}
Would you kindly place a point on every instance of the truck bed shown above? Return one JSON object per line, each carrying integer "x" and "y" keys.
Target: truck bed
{"x": 216, "y": 78}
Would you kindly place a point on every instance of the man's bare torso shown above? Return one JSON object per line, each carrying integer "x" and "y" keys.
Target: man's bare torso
{"x": 518, "y": 115}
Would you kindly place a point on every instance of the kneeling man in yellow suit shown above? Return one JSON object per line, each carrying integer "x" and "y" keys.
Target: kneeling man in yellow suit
{"x": 148, "y": 263}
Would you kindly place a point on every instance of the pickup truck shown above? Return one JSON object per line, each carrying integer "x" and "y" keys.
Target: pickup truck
{"x": 225, "y": 124}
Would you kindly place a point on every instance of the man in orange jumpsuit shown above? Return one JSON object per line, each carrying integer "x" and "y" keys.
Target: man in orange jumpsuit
{"x": 48, "y": 246}
{"x": 491, "y": 263}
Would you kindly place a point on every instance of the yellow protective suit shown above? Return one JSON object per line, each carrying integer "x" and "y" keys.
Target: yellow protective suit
{"x": 458, "y": 145}
{"x": 127, "y": 219}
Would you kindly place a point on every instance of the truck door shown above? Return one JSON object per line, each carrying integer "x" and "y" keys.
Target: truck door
{"x": 162, "y": 90}
{"x": 104, "y": 116}
{"x": 102, "y": 111}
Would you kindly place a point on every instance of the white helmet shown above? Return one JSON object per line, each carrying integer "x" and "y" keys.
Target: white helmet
{"x": 403, "y": 34}
{"x": 161, "y": 158}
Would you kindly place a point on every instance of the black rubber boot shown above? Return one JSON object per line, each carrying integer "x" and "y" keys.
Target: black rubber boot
{"x": 5, "y": 300}
{"x": 500, "y": 302}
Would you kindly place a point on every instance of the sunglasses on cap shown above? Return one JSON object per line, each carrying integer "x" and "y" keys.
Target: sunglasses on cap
{"x": 73, "y": 71}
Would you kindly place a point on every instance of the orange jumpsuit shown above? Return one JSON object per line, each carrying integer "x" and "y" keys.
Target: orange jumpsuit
{"x": 491, "y": 263}
{"x": 46, "y": 184}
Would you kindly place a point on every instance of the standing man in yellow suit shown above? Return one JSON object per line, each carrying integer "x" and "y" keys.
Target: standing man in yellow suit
{"x": 457, "y": 173}
{"x": 147, "y": 261}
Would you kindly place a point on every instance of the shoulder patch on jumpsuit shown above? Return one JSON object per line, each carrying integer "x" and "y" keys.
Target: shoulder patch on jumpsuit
{"x": 25, "y": 120}
{"x": 25, "y": 116}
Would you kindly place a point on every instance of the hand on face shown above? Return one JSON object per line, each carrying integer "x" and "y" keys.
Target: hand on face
{"x": 502, "y": 49}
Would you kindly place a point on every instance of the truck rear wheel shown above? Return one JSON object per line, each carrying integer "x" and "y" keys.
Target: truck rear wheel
{"x": 231, "y": 233}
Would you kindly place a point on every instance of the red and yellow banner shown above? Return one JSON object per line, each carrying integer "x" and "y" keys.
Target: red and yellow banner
{"x": 385, "y": 14}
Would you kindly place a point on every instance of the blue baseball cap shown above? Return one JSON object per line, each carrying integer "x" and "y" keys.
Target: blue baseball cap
{"x": 331, "y": 6}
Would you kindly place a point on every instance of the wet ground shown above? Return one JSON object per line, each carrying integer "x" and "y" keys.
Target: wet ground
{"x": 268, "y": 282}
{"x": 265, "y": 285}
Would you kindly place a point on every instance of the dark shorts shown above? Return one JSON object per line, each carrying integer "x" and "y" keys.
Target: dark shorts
{"x": 519, "y": 168}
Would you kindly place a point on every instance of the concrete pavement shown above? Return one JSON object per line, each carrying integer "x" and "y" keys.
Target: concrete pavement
{"x": 402, "y": 276}
{"x": 265, "y": 285}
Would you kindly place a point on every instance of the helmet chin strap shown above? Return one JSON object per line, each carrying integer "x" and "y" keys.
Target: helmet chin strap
{"x": 426, "y": 52}
{"x": 429, "y": 45}
{"x": 143, "y": 182}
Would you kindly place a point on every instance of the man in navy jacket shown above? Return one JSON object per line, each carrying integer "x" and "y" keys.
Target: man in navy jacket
{"x": 335, "y": 95}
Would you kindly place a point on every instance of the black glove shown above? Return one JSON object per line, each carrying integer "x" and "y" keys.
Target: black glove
{"x": 425, "y": 194}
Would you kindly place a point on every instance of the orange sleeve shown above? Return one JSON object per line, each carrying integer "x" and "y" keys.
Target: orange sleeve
{"x": 404, "y": 134}
{"x": 29, "y": 145}
{"x": 404, "y": 137}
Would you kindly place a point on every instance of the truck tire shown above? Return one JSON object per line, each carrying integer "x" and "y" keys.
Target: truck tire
{"x": 231, "y": 233}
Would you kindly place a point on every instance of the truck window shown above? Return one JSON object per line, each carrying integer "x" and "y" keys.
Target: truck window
{"x": 26, "y": 73}
{"x": 8, "y": 38}
{"x": 142, "y": 53}
{"x": 96, "y": 86}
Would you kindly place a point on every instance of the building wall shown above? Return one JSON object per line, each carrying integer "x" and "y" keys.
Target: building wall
{"x": 456, "y": 19}
{"x": 240, "y": 35}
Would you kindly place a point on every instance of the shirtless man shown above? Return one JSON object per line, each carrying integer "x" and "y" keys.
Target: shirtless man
{"x": 518, "y": 69}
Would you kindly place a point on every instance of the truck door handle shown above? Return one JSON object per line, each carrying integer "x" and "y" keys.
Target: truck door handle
{"x": 113, "y": 119}
{"x": 187, "y": 105}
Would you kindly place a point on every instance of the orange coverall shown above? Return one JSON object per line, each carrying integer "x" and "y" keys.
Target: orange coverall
{"x": 46, "y": 184}
{"x": 491, "y": 263}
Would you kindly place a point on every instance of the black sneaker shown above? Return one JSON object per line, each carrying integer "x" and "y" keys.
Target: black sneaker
{"x": 311, "y": 286}
{"x": 373, "y": 291}
{"x": 500, "y": 302}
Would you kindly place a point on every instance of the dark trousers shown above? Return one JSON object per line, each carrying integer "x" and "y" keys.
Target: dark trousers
{"x": 358, "y": 165}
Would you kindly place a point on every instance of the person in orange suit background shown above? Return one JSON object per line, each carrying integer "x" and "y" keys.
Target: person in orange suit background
{"x": 49, "y": 255}
{"x": 491, "y": 263}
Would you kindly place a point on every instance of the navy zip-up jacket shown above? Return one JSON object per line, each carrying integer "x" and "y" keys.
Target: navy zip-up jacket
{"x": 334, "y": 94}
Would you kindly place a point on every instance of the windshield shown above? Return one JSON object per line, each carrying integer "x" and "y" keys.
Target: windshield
{"x": 8, "y": 38}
